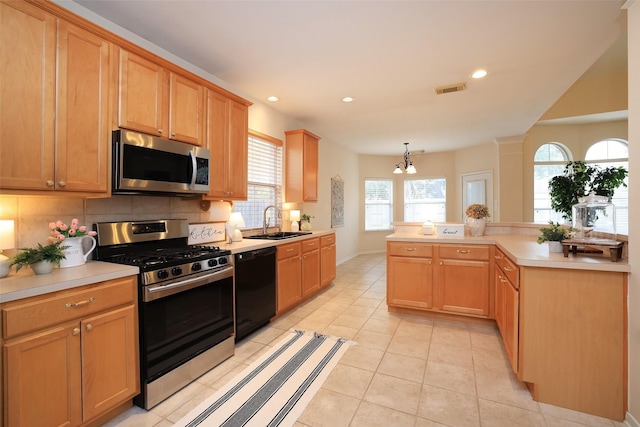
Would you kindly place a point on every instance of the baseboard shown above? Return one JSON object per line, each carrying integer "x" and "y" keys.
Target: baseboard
{"x": 631, "y": 421}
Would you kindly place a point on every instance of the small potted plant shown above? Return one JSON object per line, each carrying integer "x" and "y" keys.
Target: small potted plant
{"x": 41, "y": 259}
{"x": 305, "y": 222}
{"x": 554, "y": 234}
{"x": 477, "y": 215}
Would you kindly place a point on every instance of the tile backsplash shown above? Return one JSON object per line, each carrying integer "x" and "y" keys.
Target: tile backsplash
{"x": 32, "y": 214}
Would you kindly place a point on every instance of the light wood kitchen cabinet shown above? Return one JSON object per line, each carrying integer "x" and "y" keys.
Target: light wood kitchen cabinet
{"x": 289, "y": 276}
{"x": 54, "y": 103}
{"x": 410, "y": 275}
{"x": 160, "y": 102}
{"x": 310, "y": 266}
{"x": 227, "y": 134}
{"x": 507, "y": 304}
{"x": 327, "y": 259}
{"x": 301, "y": 166}
{"x": 462, "y": 279}
{"x": 70, "y": 356}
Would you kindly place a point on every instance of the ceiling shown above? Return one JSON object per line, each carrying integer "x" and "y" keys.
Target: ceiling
{"x": 389, "y": 56}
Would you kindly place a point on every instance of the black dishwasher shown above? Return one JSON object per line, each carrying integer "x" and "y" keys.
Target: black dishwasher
{"x": 255, "y": 276}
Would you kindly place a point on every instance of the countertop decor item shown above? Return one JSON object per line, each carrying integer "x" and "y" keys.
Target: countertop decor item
{"x": 476, "y": 218}
{"x": 554, "y": 234}
{"x": 579, "y": 180}
{"x": 305, "y": 222}
{"x": 28, "y": 257}
{"x": 61, "y": 231}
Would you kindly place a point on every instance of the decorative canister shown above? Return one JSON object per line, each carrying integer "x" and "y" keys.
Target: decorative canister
{"x": 594, "y": 214}
{"x": 75, "y": 254}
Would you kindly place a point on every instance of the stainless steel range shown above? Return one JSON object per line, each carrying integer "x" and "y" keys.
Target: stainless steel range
{"x": 185, "y": 301}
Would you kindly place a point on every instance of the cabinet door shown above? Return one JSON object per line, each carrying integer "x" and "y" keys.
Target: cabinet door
{"x": 144, "y": 95}
{"x": 310, "y": 169}
{"x": 410, "y": 282}
{"x": 289, "y": 283}
{"x": 310, "y": 272}
{"x": 27, "y": 96}
{"x": 238, "y": 150}
{"x": 218, "y": 142}
{"x": 109, "y": 360}
{"x": 186, "y": 110}
{"x": 511, "y": 322}
{"x": 328, "y": 267}
{"x": 82, "y": 111}
{"x": 499, "y": 284}
{"x": 463, "y": 287}
{"x": 43, "y": 386}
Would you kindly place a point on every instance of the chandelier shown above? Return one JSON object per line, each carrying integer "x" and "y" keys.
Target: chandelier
{"x": 406, "y": 163}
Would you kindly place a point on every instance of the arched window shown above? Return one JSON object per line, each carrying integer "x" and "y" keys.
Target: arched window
{"x": 549, "y": 161}
{"x": 613, "y": 152}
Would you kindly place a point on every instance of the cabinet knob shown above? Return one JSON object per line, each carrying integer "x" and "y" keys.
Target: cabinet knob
{"x": 49, "y": 183}
{"x": 160, "y": 131}
{"x": 173, "y": 134}
{"x": 441, "y": 263}
{"x": 89, "y": 326}
{"x": 61, "y": 183}
{"x": 75, "y": 331}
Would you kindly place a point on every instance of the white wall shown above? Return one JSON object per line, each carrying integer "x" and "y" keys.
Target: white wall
{"x": 633, "y": 15}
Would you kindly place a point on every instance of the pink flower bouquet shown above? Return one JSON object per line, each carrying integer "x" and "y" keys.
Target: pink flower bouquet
{"x": 61, "y": 231}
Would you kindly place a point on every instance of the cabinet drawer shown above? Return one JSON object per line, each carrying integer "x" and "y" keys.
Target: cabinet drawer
{"x": 508, "y": 267}
{"x": 465, "y": 252}
{"x": 328, "y": 240}
{"x": 422, "y": 250}
{"x": 288, "y": 250}
{"x": 36, "y": 313}
{"x": 310, "y": 245}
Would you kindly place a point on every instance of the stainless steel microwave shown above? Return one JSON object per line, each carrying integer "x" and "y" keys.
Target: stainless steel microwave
{"x": 146, "y": 164}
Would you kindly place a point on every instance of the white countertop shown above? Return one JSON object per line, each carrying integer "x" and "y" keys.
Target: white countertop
{"x": 525, "y": 251}
{"x": 26, "y": 284}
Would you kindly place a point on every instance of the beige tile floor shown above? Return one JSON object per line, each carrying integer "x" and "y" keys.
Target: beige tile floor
{"x": 404, "y": 371}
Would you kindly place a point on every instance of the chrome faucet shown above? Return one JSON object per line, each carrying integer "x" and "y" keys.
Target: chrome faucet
{"x": 265, "y": 223}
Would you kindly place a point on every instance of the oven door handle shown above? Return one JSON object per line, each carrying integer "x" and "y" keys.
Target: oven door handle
{"x": 154, "y": 292}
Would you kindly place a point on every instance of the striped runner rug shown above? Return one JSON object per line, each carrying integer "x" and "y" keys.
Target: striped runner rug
{"x": 276, "y": 388}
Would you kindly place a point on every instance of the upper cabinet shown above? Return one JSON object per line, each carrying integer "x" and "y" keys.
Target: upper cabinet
{"x": 227, "y": 135}
{"x": 54, "y": 103}
{"x": 159, "y": 102}
{"x": 301, "y": 159}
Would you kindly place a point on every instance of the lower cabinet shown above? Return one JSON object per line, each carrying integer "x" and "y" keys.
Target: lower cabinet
{"x": 289, "y": 276}
{"x": 445, "y": 278}
{"x": 310, "y": 266}
{"x": 327, "y": 259}
{"x": 507, "y": 305}
{"x": 82, "y": 363}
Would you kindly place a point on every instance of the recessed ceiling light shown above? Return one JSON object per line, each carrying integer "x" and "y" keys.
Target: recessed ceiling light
{"x": 478, "y": 74}
{"x": 273, "y": 99}
{"x": 347, "y": 99}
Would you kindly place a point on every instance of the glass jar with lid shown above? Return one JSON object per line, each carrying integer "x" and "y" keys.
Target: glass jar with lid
{"x": 594, "y": 217}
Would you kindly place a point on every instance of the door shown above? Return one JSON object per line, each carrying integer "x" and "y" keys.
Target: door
{"x": 464, "y": 286}
{"x": 477, "y": 188}
{"x": 310, "y": 272}
{"x": 43, "y": 386}
{"x": 109, "y": 360}
{"x": 289, "y": 282}
{"x": 186, "y": 110}
{"x": 410, "y": 282}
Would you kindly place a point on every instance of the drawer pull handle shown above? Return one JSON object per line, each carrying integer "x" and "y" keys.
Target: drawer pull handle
{"x": 497, "y": 256}
{"x": 89, "y": 326}
{"x": 460, "y": 251}
{"x": 290, "y": 250}
{"x": 75, "y": 331}
{"x": 507, "y": 268}
{"x": 503, "y": 280}
{"x": 410, "y": 249}
{"x": 79, "y": 303}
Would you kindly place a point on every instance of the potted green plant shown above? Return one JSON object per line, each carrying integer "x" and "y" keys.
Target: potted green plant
{"x": 579, "y": 180}
{"x": 41, "y": 258}
{"x": 554, "y": 234}
{"x": 305, "y": 222}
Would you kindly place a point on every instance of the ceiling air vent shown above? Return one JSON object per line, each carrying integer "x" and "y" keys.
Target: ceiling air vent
{"x": 458, "y": 87}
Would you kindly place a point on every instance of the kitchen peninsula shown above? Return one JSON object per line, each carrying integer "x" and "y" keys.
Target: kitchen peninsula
{"x": 563, "y": 319}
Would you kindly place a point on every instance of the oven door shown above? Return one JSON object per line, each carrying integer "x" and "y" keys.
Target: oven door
{"x": 144, "y": 163}
{"x": 180, "y": 320}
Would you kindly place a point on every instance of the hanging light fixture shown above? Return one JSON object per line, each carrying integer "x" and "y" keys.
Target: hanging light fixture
{"x": 406, "y": 163}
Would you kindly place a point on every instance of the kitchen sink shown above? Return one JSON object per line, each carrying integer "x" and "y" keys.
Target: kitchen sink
{"x": 279, "y": 236}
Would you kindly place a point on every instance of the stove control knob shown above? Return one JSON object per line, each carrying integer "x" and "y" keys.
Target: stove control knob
{"x": 222, "y": 261}
{"x": 196, "y": 266}
{"x": 176, "y": 271}
{"x": 162, "y": 274}
{"x": 213, "y": 262}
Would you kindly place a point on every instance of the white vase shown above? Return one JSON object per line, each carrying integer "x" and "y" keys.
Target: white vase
{"x": 555, "y": 247}
{"x": 42, "y": 267}
{"x": 75, "y": 254}
{"x": 305, "y": 225}
{"x": 476, "y": 226}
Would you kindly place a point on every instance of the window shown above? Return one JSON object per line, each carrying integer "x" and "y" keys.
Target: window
{"x": 425, "y": 199}
{"x": 607, "y": 153}
{"x": 264, "y": 179}
{"x": 549, "y": 161}
{"x": 378, "y": 204}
